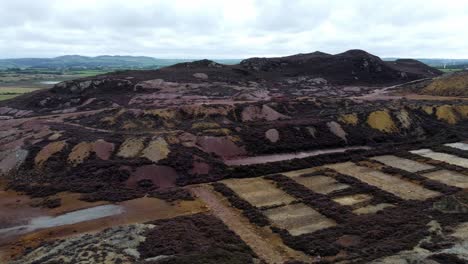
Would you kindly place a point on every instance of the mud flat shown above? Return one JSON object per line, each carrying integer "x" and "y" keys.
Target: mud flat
{"x": 259, "y": 192}
{"x": 403, "y": 164}
{"x": 298, "y": 219}
{"x": 320, "y": 184}
{"x": 399, "y": 187}
{"x": 458, "y": 145}
{"x": 449, "y": 158}
{"x": 132, "y": 211}
{"x": 286, "y": 156}
{"x": 451, "y": 178}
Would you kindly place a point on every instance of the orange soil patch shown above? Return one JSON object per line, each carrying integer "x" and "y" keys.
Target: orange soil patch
{"x": 136, "y": 211}
{"x": 49, "y": 150}
{"x": 80, "y": 153}
{"x": 381, "y": 120}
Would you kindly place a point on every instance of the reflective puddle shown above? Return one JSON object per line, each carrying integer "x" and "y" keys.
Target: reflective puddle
{"x": 65, "y": 219}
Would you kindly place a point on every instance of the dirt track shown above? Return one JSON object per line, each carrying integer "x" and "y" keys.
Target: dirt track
{"x": 270, "y": 252}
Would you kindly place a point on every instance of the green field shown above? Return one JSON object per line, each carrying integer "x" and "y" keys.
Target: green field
{"x": 11, "y": 92}
{"x": 7, "y": 96}
{"x": 88, "y": 73}
{"x": 16, "y": 82}
{"x": 451, "y": 70}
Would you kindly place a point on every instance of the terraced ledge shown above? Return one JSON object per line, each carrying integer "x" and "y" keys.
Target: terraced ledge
{"x": 403, "y": 164}
{"x": 448, "y": 158}
{"x": 458, "y": 145}
{"x": 402, "y": 188}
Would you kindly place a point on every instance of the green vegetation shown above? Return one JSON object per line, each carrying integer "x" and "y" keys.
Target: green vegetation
{"x": 14, "y": 82}
{"x": 450, "y": 70}
{"x": 11, "y": 92}
{"x": 76, "y": 63}
{"x": 18, "y": 76}
{"x": 7, "y": 96}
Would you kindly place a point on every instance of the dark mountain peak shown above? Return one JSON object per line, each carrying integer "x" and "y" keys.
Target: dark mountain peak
{"x": 414, "y": 66}
{"x": 306, "y": 56}
{"x": 355, "y": 52}
{"x": 319, "y": 53}
{"x": 198, "y": 64}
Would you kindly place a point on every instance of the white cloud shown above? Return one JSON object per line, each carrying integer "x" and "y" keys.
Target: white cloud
{"x": 232, "y": 29}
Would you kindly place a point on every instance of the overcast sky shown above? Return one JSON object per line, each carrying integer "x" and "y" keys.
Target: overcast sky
{"x": 232, "y": 29}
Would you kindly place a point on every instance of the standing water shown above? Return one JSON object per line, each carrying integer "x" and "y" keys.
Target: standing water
{"x": 65, "y": 219}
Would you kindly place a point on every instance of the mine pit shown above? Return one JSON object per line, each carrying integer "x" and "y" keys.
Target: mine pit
{"x": 403, "y": 164}
{"x": 259, "y": 192}
{"x": 273, "y": 160}
{"x": 298, "y": 219}
{"x": 399, "y": 187}
{"x": 449, "y": 158}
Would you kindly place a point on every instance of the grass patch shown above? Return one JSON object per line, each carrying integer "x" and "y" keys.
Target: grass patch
{"x": 16, "y": 90}
{"x": 450, "y": 70}
{"x": 88, "y": 73}
{"x": 7, "y": 96}
{"x": 11, "y": 92}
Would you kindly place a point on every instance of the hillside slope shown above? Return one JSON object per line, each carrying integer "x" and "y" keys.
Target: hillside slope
{"x": 454, "y": 84}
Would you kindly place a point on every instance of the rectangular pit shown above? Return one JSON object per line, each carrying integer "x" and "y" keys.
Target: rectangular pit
{"x": 392, "y": 184}
{"x": 320, "y": 184}
{"x": 259, "y": 192}
{"x": 449, "y": 158}
{"x": 298, "y": 219}
{"x": 451, "y": 178}
{"x": 403, "y": 164}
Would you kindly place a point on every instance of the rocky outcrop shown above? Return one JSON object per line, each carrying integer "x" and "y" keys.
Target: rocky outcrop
{"x": 350, "y": 67}
{"x": 91, "y": 86}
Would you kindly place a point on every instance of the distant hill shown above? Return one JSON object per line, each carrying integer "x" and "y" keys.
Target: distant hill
{"x": 440, "y": 63}
{"x": 350, "y": 67}
{"x": 83, "y": 62}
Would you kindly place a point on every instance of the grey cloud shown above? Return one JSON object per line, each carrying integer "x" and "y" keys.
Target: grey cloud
{"x": 228, "y": 29}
